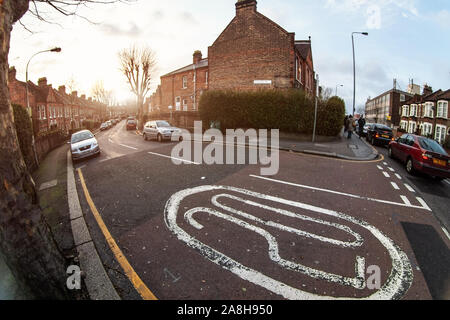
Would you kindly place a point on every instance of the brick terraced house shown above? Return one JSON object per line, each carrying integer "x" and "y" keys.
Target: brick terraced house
{"x": 54, "y": 109}
{"x": 252, "y": 53}
{"x": 427, "y": 114}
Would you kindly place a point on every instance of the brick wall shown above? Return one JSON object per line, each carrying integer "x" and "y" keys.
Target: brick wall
{"x": 251, "y": 48}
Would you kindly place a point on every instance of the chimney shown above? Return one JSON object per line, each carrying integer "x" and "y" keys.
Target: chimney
{"x": 427, "y": 90}
{"x": 197, "y": 56}
{"x": 90, "y": 99}
{"x": 42, "y": 82}
{"x": 12, "y": 74}
{"x": 83, "y": 96}
{"x": 62, "y": 89}
{"x": 75, "y": 93}
{"x": 245, "y": 6}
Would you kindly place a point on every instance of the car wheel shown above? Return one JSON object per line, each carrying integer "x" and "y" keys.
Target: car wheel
{"x": 410, "y": 166}
{"x": 159, "y": 138}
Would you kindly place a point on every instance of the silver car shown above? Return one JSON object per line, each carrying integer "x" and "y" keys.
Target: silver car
{"x": 161, "y": 130}
{"x": 83, "y": 144}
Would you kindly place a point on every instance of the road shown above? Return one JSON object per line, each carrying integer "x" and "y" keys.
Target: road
{"x": 320, "y": 229}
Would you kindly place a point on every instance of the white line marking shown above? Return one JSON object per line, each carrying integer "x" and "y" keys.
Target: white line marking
{"x": 173, "y": 158}
{"x": 409, "y": 188}
{"x": 397, "y": 284}
{"x": 446, "y": 181}
{"x": 380, "y": 167}
{"x": 390, "y": 169}
{"x": 110, "y": 140}
{"x": 339, "y": 193}
{"x": 423, "y": 203}
{"x": 406, "y": 200}
{"x": 446, "y": 233}
{"x": 124, "y": 145}
{"x": 395, "y": 186}
{"x": 385, "y": 163}
{"x": 398, "y": 176}
{"x": 386, "y": 174}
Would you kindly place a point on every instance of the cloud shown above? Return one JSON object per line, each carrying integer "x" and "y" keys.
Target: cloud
{"x": 131, "y": 31}
{"x": 443, "y": 18}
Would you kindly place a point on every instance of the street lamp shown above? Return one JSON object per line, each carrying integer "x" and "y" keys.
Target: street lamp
{"x": 354, "y": 67}
{"x": 57, "y": 50}
{"x": 339, "y": 85}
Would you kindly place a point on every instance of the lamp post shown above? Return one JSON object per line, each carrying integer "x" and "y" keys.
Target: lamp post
{"x": 339, "y": 85}
{"x": 315, "y": 109}
{"x": 56, "y": 49}
{"x": 354, "y": 67}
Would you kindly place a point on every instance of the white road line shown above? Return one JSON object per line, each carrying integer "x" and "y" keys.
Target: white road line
{"x": 385, "y": 163}
{"x": 392, "y": 170}
{"x": 423, "y": 203}
{"x": 344, "y": 194}
{"x": 446, "y": 233}
{"x": 398, "y": 176}
{"x": 124, "y": 145}
{"x": 173, "y": 158}
{"x": 396, "y": 187}
{"x": 380, "y": 167}
{"x": 409, "y": 188}
{"x": 386, "y": 174}
{"x": 406, "y": 200}
{"x": 110, "y": 140}
{"x": 447, "y": 182}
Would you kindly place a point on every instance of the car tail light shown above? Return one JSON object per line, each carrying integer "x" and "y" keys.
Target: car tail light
{"x": 427, "y": 156}
{"x": 377, "y": 135}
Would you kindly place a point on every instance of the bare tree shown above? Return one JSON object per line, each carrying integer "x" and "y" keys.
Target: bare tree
{"x": 138, "y": 66}
{"x": 101, "y": 94}
{"x": 26, "y": 240}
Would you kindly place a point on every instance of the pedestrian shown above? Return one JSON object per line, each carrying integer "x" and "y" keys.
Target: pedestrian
{"x": 345, "y": 124}
{"x": 361, "y": 124}
{"x": 351, "y": 126}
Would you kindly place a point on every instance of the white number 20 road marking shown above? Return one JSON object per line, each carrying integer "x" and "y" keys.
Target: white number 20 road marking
{"x": 397, "y": 284}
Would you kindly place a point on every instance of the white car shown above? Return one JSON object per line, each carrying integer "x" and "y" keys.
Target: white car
{"x": 161, "y": 130}
{"x": 83, "y": 144}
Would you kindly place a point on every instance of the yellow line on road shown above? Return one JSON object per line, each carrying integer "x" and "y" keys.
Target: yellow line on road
{"x": 138, "y": 284}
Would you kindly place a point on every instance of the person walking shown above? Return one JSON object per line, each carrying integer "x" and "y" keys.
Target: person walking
{"x": 361, "y": 124}
{"x": 345, "y": 125}
{"x": 351, "y": 126}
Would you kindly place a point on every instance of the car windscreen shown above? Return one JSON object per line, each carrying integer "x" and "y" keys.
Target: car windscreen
{"x": 384, "y": 128}
{"x": 81, "y": 137}
{"x": 131, "y": 121}
{"x": 431, "y": 145}
{"x": 163, "y": 124}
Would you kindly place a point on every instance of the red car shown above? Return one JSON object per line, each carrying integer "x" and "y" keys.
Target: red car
{"x": 421, "y": 154}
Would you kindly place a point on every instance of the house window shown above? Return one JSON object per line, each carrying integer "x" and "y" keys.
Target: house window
{"x": 402, "y": 97}
{"x": 429, "y": 110}
{"x": 427, "y": 129}
{"x": 412, "y": 127}
{"x": 442, "y": 109}
{"x": 298, "y": 69}
{"x": 413, "y": 111}
{"x": 185, "y": 82}
{"x": 403, "y": 125}
{"x": 405, "y": 112}
{"x": 441, "y": 131}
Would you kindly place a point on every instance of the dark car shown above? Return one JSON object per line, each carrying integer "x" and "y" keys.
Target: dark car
{"x": 421, "y": 154}
{"x": 131, "y": 124}
{"x": 379, "y": 134}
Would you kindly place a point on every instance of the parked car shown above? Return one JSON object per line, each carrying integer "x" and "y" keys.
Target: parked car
{"x": 421, "y": 154}
{"x": 379, "y": 134}
{"x": 83, "y": 144}
{"x": 109, "y": 123}
{"x": 131, "y": 124}
{"x": 365, "y": 130}
{"x": 104, "y": 126}
{"x": 161, "y": 130}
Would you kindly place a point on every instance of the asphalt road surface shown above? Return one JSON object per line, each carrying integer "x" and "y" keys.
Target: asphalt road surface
{"x": 320, "y": 229}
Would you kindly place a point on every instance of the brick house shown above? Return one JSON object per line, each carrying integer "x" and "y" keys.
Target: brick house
{"x": 384, "y": 109}
{"x": 427, "y": 114}
{"x": 252, "y": 53}
{"x": 52, "y": 109}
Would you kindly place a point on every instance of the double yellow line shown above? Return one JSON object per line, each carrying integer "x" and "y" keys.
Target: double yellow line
{"x": 138, "y": 284}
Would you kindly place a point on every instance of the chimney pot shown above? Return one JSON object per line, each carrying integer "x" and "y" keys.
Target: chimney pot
{"x": 42, "y": 82}
{"x": 245, "y": 6}
{"x": 197, "y": 56}
{"x": 12, "y": 73}
{"x": 75, "y": 93}
{"x": 62, "y": 89}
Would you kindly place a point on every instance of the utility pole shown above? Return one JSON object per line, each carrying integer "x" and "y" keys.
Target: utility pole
{"x": 315, "y": 111}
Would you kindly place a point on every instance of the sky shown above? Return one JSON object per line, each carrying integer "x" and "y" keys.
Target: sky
{"x": 408, "y": 39}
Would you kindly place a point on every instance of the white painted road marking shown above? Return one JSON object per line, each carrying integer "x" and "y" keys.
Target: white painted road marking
{"x": 409, "y": 188}
{"x": 406, "y": 200}
{"x": 448, "y": 182}
{"x": 392, "y": 170}
{"x": 124, "y": 145}
{"x": 396, "y": 187}
{"x": 398, "y": 176}
{"x": 446, "y": 233}
{"x": 386, "y": 174}
{"x": 173, "y": 158}
{"x": 397, "y": 284}
{"x": 380, "y": 167}
{"x": 341, "y": 193}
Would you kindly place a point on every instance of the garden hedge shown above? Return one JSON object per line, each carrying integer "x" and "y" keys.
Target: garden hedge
{"x": 287, "y": 110}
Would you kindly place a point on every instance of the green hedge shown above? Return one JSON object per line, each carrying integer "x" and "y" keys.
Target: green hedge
{"x": 24, "y": 130}
{"x": 287, "y": 110}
